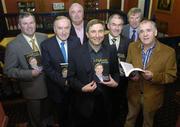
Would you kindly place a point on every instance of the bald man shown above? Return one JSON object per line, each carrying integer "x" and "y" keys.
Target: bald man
{"x": 76, "y": 13}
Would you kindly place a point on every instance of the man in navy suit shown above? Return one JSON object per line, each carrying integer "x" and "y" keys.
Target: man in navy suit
{"x": 55, "y": 55}
{"x": 120, "y": 44}
{"x": 90, "y": 99}
{"x": 76, "y": 13}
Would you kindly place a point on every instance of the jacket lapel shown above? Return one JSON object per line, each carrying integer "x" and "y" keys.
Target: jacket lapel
{"x": 153, "y": 56}
{"x": 139, "y": 53}
{"x": 87, "y": 59}
{"x": 26, "y": 48}
{"x": 57, "y": 50}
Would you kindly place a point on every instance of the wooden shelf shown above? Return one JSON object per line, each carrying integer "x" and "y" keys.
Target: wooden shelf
{"x": 26, "y": 6}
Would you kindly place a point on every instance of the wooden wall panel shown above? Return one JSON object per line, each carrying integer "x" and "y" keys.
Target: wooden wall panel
{"x": 173, "y": 18}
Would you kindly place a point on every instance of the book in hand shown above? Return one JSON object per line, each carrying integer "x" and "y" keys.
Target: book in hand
{"x": 128, "y": 68}
{"x": 34, "y": 60}
{"x": 101, "y": 68}
{"x": 64, "y": 69}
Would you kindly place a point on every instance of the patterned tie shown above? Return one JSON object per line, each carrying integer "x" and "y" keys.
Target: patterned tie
{"x": 133, "y": 37}
{"x": 113, "y": 40}
{"x": 34, "y": 46}
{"x": 63, "y": 51}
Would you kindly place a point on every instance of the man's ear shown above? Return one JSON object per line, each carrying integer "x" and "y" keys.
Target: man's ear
{"x": 87, "y": 34}
{"x": 19, "y": 26}
{"x": 155, "y": 33}
{"x": 108, "y": 25}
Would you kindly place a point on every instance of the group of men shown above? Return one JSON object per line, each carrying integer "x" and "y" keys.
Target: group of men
{"x": 78, "y": 95}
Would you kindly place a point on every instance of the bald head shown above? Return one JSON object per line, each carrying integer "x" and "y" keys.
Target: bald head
{"x": 76, "y": 5}
{"x": 76, "y": 13}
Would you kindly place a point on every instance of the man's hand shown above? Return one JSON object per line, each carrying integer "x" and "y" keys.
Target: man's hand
{"x": 134, "y": 76}
{"x": 35, "y": 72}
{"x": 90, "y": 87}
{"x": 111, "y": 82}
{"x": 147, "y": 75}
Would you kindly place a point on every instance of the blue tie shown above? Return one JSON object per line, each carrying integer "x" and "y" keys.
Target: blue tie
{"x": 133, "y": 37}
{"x": 63, "y": 51}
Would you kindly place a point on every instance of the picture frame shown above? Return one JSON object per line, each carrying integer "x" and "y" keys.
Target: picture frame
{"x": 164, "y": 6}
{"x": 58, "y": 6}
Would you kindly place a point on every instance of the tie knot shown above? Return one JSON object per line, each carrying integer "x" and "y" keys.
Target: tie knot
{"x": 114, "y": 40}
{"x": 62, "y": 43}
{"x": 32, "y": 40}
{"x": 134, "y": 31}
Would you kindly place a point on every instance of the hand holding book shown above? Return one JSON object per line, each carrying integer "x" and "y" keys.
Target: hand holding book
{"x": 110, "y": 83}
{"x": 128, "y": 68}
{"x": 148, "y": 75}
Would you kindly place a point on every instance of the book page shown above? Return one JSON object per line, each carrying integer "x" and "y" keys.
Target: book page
{"x": 128, "y": 68}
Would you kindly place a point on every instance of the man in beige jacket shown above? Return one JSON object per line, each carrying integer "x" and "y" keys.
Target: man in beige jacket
{"x": 146, "y": 90}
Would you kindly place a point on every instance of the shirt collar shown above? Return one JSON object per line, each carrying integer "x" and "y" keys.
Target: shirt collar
{"x": 131, "y": 29}
{"x": 29, "y": 38}
{"x": 60, "y": 41}
{"x": 78, "y": 27}
{"x": 153, "y": 46}
{"x": 111, "y": 37}
{"x": 92, "y": 50}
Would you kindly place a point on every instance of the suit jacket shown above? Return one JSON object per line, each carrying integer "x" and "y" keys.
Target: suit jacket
{"x": 73, "y": 32}
{"x": 121, "y": 53}
{"x": 123, "y": 46}
{"x": 16, "y": 66}
{"x": 162, "y": 64}
{"x": 51, "y": 59}
{"x": 125, "y": 31}
{"x": 81, "y": 72}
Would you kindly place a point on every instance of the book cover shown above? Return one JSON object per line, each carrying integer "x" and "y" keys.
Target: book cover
{"x": 34, "y": 60}
{"x": 64, "y": 69}
{"x": 101, "y": 69}
{"x": 128, "y": 68}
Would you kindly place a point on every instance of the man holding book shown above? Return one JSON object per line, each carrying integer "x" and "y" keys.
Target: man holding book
{"x": 91, "y": 104}
{"x": 146, "y": 89}
{"x": 17, "y": 65}
{"x": 119, "y": 44}
{"x": 55, "y": 58}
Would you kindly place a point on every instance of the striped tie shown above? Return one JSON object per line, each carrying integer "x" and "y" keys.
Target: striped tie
{"x": 133, "y": 37}
{"x": 34, "y": 46}
{"x": 63, "y": 51}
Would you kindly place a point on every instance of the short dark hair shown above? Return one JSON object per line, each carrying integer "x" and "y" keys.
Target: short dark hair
{"x": 93, "y": 22}
{"x": 25, "y": 14}
{"x": 115, "y": 15}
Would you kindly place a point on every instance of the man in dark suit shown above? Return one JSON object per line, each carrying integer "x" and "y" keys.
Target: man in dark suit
{"x": 120, "y": 44}
{"x": 76, "y": 13}
{"x": 55, "y": 55}
{"x": 32, "y": 81}
{"x": 90, "y": 99}
{"x": 130, "y": 30}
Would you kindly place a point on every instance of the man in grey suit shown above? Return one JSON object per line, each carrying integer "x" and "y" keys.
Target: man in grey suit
{"x": 32, "y": 81}
{"x": 134, "y": 17}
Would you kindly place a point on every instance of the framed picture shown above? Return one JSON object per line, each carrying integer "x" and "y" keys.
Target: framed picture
{"x": 165, "y": 5}
{"x": 58, "y": 6}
